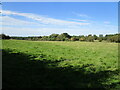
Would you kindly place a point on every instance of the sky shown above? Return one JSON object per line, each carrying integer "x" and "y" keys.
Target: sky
{"x": 45, "y": 18}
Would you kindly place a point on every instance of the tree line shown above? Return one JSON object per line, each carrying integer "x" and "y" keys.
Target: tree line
{"x": 67, "y": 37}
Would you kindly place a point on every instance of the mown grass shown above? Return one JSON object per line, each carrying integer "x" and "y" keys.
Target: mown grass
{"x": 47, "y": 64}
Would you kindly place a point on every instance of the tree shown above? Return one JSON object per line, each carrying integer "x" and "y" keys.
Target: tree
{"x": 73, "y": 39}
{"x": 100, "y": 37}
{"x": 82, "y": 39}
{"x": 44, "y": 38}
{"x": 3, "y": 36}
{"x": 95, "y": 37}
{"x": 63, "y": 37}
{"x": 90, "y": 39}
{"x": 89, "y": 35}
{"x": 66, "y": 35}
{"x": 53, "y": 35}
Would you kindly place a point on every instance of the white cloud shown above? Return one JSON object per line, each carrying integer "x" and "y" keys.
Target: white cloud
{"x": 106, "y": 22}
{"x": 6, "y": 20}
{"x": 43, "y": 20}
{"x": 38, "y": 31}
{"x": 79, "y": 20}
{"x": 81, "y": 15}
{"x": 14, "y": 31}
{"x": 41, "y": 25}
{"x": 37, "y": 24}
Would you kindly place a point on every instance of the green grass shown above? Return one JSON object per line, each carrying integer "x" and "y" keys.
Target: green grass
{"x": 0, "y": 44}
{"x": 60, "y": 64}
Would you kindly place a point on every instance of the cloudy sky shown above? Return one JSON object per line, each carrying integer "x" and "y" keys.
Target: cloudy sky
{"x": 45, "y": 18}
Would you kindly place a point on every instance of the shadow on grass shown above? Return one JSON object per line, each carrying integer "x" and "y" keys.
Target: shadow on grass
{"x": 19, "y": 71}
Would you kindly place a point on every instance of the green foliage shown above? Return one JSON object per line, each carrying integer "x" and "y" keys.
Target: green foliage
{"x": 63, "y": 37}
{"x": 114, "y": 38}
{"x": 74, "y": 38}
{"x": 82, "y": 39}
{"x": 95, "y": 37}
{"x": 101, "y": 38}
{"x": 53, "y": 37}
{"x": 67, "y": 37}
{"x": 90, "y": 38}
{"x": 3, "y": 36}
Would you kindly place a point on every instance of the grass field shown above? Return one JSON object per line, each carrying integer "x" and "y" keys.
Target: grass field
{"x": 57, "y": 64}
